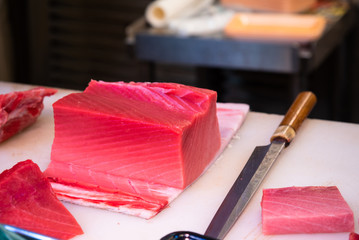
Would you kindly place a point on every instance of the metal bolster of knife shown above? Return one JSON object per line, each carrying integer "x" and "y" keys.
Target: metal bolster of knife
{"x": 257, "y": 167}
{"x": 284, "y": 132}
{"x": 296, "y": 114}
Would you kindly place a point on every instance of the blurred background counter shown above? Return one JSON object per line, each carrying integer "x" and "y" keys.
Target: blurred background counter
{"x": 271, "y": 70}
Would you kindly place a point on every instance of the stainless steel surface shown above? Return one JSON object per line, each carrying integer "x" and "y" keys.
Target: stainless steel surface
{"x": 244, "y": 188}
{"x": 217, "y": 50}
{"x": 220, "y": 52}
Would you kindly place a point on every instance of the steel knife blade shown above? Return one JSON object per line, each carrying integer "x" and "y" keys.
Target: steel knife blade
{"x": 258, "y": 166}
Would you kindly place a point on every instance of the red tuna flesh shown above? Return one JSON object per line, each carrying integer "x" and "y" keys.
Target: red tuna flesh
{"x": 137, "y": 144}
{"x": 28, "y": 201}
{"x": 230, "y": 117}
{"x": 353, "y": 236}
{"x": 305, "y": 210}
{"x": 19, "y": 110}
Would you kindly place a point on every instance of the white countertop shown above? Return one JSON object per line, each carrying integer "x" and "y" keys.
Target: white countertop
{"x": 323, "y": 153}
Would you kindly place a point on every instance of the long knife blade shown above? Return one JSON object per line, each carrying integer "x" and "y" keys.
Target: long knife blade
{"x": 258, "y": 166}
{"x": 244, "y": 188}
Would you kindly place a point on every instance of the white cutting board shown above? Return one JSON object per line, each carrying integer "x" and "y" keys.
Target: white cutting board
{"x": 323, "y": 153}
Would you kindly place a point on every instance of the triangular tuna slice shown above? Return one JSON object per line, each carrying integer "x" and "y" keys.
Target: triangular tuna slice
{"x": 19, "y": 110}
{"x": 305, "y": 210}
{"x": 133, "y": 147}
{"x": 27, "y": 201}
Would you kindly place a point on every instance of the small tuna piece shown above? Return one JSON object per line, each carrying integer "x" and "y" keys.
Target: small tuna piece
{"x": 27, "y": 201}
{"x": 305, "y": 210}
{"x": 353, "y": 236}
{"x": 132, "y": 147}
{"x": 19, "y": 110}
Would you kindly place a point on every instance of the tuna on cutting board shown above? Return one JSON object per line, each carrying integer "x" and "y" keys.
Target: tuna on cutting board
{"x": 27, "y": 201}
{"x": 19, "y": 110}
{"x": 132, "y": 147}
{"x": 305, "y": 210}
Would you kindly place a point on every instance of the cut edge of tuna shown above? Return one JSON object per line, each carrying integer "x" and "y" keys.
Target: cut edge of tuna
{"x": 115, "y": 201}
{"x": 309, "y": 209}
{"x": 29, "y": 202}
{"x": 135, "y": 196}
{"x": 19, "y": 110}
{"x": 159, "y": 92}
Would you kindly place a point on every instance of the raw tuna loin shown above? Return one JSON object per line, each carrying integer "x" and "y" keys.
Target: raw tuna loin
{"x": 305, "y": 210}
{"x": 27, "y": 201}
{"x": 132, "y": 147}
{"x": 19, "y": 110}
{"x": 230, "y": 117}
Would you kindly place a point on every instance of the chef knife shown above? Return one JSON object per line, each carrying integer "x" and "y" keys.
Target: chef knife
{"x": 257, "y": 167}
{"x": 254, "y": 171}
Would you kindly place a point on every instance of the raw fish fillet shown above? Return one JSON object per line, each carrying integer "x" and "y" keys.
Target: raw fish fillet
{"x": 133, "y": 147}
{"x": 27, "y": 201}
{"x": 305, "y": 210}
{"x": 19, "y": 110}
{"x": 353, "y": 236}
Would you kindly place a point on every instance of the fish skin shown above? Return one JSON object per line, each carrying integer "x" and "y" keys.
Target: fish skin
{"x": 19, "y": 110}
{"x": 170, "y": 134}
{"x": 28, "y": 201}
{"x": 312, "y": 209}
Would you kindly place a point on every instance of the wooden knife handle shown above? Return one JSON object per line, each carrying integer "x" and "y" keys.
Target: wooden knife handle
{"x": 295, "y": 116}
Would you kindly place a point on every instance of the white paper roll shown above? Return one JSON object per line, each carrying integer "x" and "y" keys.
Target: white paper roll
{"x": 160, "y": 12}
{"x": 210, "y": 21}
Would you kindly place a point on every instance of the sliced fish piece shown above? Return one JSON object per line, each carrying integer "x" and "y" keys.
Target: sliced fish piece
{"x": 28, "y": 202}
{"x": 313, "y": 209}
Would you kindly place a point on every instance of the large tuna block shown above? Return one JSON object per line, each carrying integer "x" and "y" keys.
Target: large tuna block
{"x": 305, "y": 210}
{"x": 141, "y": 139}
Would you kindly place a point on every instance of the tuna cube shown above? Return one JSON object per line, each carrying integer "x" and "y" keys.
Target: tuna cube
{"x": 305, "y": 210}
